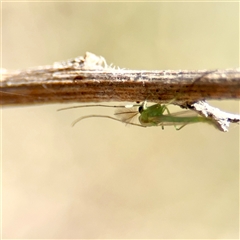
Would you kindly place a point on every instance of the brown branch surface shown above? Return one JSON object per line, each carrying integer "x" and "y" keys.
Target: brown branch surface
{"x": 90, "y": 79}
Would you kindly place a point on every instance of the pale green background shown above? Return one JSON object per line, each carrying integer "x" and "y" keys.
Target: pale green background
{"x": 102, "y": 179}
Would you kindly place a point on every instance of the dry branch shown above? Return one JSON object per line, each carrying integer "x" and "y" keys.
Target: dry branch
{"x": 90, "y": 79}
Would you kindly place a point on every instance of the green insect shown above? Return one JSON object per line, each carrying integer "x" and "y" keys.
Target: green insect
{"x": 155, "y": 115}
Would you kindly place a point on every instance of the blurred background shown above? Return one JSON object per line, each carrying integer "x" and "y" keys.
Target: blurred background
{"x": 102, "y": 179}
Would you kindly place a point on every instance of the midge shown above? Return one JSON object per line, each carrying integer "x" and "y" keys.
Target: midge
{"x": 155, "y": 115}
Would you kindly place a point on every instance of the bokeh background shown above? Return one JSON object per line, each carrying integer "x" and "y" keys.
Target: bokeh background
{"x": 102, "y": 179}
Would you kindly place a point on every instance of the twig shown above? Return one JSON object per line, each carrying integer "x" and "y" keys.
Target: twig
{"x": 90, "y": 79}
{"x": 222, "y": 119}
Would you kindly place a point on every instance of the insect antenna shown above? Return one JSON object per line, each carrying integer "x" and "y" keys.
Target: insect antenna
{"x": 102, "y": 116}
{"x": 93, "y": 105}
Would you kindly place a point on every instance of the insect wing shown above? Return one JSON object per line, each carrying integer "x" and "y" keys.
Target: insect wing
{"x": 126, "y": 115}
{"x": 173, "y": 119}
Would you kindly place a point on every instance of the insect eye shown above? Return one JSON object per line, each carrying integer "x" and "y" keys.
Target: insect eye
{"x": 140, "y": 109}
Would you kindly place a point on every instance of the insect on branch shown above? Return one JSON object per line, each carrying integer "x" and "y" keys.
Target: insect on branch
{"x": 90, "y": 79}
